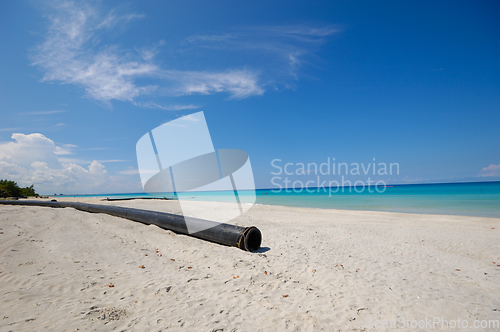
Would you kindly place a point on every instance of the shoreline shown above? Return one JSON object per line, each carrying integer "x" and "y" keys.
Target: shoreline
{"x": 97, "y": 199}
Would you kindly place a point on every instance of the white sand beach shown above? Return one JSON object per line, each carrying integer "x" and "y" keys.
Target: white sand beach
{"x": 317, "y": 270}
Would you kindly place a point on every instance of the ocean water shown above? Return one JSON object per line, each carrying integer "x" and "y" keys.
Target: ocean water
{"x": 469, "y": 199}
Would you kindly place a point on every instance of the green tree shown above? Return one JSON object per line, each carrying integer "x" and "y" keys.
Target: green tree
{"x": 11, "y": 189}
{"x": 28, "y": 191}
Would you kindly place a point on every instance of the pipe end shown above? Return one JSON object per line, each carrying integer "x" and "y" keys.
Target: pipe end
{"x": 251, "y": 239}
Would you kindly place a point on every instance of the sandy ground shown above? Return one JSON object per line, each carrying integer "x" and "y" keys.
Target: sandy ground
{"x": 317, "y": 270}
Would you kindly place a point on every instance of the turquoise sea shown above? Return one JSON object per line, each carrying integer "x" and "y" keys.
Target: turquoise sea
{"x": 468, "y": 199}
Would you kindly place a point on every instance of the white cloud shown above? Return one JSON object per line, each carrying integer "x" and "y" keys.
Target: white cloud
{"x": 492, "y": 170}
{"x": 33, "y": 159}
{"x": 12, "y": 171}
{"x": 70, "y": 55}
{"x": 30, "y": 148}
{"x": 97, "y": 168}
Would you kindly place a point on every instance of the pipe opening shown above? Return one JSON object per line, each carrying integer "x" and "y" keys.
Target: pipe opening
{"x": 253, "y": 239}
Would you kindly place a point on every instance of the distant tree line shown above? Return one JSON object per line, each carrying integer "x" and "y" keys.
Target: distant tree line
{"x": 11, "y": 189}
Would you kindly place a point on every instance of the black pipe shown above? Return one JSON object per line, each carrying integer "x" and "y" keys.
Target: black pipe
{"x": 246, "y": 238}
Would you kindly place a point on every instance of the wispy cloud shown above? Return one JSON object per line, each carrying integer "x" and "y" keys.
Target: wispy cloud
{"x": 282, "y": 47}
{"x": 113, "y": 161}
{"x": 71, "y": 54}
{"x": 94, "y": 149}
{"x": 62, "y": 151}
{"x": 44, "y": 112}
{"x": 153, "y": 105}
{"x": 66, "y": 56}
{"x": 113, "y": 19}
{"x": 9, "y": 129}
{"x": 190, "y": 117}
{"x": 147, "y": 53}
{"x": 85, "y": 161}
{"x": 240, "y": 83}
{"x": 67, "y": 160}
{"x": 300, "y": 32}
{"x": 211, "y": 38}
{"x": 129, "y": 171}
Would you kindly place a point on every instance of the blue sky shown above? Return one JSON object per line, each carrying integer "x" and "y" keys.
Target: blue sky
{"x": 413, "y": 83}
